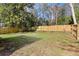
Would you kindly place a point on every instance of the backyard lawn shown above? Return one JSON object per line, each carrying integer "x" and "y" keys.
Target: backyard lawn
{"x": 38, "y": 43}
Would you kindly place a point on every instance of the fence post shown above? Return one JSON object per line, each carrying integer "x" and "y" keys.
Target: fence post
{"x": 75, "y": 31}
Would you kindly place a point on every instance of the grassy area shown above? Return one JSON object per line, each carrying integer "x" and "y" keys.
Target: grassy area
{"x": 38, "y": 43}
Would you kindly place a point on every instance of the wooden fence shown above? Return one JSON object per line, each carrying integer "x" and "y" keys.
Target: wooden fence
{"x": 55, "y": 28}
{"x": 74, "y": 29}
{"x": 8, "y": 30}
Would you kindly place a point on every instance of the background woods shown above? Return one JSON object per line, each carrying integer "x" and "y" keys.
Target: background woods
{"x": 28, "y": 16}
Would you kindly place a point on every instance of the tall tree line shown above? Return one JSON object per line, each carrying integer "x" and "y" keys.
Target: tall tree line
{"x": 25, "y": 16}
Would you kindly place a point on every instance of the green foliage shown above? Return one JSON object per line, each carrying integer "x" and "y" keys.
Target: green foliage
{"x": 76, "y": 7}
{"x": 64, "y": 16}
{"x": 14, "y": 15}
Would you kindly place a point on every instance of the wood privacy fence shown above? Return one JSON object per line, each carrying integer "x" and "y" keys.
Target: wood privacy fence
{"x": 74, "y": 29}
{"x": 55, "y": 28}
{"x": 8, "y": 30}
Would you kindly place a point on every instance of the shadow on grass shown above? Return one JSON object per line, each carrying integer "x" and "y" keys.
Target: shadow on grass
{"x": 9, "y": 45}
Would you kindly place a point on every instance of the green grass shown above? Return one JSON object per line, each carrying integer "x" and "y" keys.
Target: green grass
{"x": 50, "y": 43}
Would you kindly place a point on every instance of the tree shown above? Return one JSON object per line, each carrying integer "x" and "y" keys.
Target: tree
{"x": 76, "y": 7}
{"x": 14, "y": 15}
{"x": 64, "y": 14}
